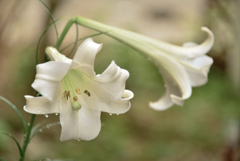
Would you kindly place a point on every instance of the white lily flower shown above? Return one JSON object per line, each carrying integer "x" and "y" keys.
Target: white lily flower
{"x": 71, "y": 88}
{"x": 182, "y": 67}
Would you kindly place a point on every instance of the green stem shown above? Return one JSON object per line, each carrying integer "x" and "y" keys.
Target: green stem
{"x": 107, "y": 30}
{"x": 133, "y": 40}
{"x": 65, "y": 31}
{"x": 27, "y": 137}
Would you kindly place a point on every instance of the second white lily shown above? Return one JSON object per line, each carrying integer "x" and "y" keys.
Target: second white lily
{"x": 182, "y": 67}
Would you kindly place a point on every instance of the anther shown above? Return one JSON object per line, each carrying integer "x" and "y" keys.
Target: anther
{"x": 66, "y": 94}
{"x": 75, "y": 98}
{"x": 87, "y": 93}
{"x": 78, "y": 91}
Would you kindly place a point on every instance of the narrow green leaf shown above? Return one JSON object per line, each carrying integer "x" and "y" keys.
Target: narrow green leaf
{"x": 34, "y": 129}
{"x": 19, "y": 147}
{"x": 80, "y": 40}
{"x": 45, "y": 127}
{"x": 19, "y": 114}
{"x": 75, "y": 44}
{"x": 43, "y": 33}
{"x": 2, "y": 159}
{"x": 50, "y": 16}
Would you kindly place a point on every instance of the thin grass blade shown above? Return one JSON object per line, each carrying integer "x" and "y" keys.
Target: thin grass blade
{"x": 44, "y": 127}
{"x": 43, "y": 33}
{"x": 19, "y": 147}
{"x": 50, "y": 16}
{"x": 75, "y": 44}
{"x": 100, "y": 33}
{"x": 19, "y": 114}
{"x": 2, "y": 159}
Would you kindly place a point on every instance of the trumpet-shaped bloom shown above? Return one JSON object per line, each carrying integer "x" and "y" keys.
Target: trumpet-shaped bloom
{"x": 71, "y": 88}
{"x": 182, "y": 67}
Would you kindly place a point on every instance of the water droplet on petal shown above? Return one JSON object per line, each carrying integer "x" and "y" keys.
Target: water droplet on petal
{"x": 117, "y": 113}
{"x": 110, "y": 114}
{"x": 56, "y": 114}
{"x": 46, "y": 116}
{"x": 40, "y": 130}
{"x": 78, "y": 139}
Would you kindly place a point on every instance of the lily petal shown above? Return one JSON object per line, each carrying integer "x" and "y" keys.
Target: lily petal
{"x": 176, "y": 80}
{"x": 48, "y": 78}
{"x": 119, "y": 106}
{"x": 85, "y": 56}
{"x": 198, "y": 69}
{"x": 164, "y": 102}
{"x": 84, "y": 124}
{"x": 113, "y": 80}
{"x": 106, "y": 90}
{"x": 187, "y": 51}
{"x": 40, "y": 105}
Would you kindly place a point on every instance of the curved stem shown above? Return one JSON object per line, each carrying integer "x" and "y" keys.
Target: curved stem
{"x": 75, "y": 44}
{"x": 65, "y": 31}
{"x": 78, "y": 21}
{"x": 27, "y": 137}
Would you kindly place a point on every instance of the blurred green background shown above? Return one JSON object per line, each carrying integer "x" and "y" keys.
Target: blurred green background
{"x": 206, "y": 128}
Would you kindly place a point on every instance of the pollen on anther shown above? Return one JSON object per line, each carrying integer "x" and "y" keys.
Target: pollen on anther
{"x": 75, "y": 98}
{"x": 66, "y": 94}
{"x": 87, "y": 93}
{"x": 78, "y": 91}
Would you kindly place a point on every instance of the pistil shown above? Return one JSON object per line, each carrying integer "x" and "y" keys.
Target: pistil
{"x": 71, "y": 93}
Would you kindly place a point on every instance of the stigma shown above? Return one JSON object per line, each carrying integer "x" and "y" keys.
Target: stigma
{"x": 74, "y": 99}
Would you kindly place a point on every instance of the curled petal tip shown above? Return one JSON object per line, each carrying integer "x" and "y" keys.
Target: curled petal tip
{"x": 127, "y": 95}
{"x": 100, "y": 47}
{"x": 205, "y": 29}
{"x": 28, "y": 96}
{"x": 156, "y": 107}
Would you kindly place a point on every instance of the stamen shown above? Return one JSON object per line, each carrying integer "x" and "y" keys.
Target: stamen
{"x": 67, "y": 94}
{"x": 78, "y": 91}
{"x": 71, "y": 91}
{"x": 75, "y": 98}
{"x": 87, "y": 93}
